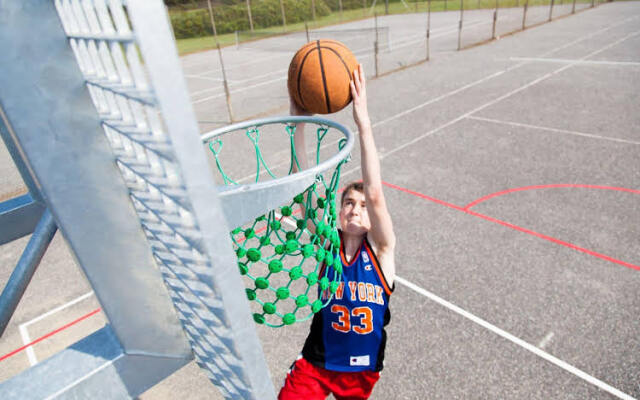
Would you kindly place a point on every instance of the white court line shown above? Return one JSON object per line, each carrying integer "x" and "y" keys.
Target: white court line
{"x": 243, "y": 89}
{"x": 74, "y": 383}
{"x": 206, "y": 78}
{"x": 24, "y": 333}
{"x": 482, "y": 80}
{"x": 231, "y": 81}
{"x": 364, "y": 53}
{"x": 239, "y": 90}
{"x": 506, "y": 335}
{"x": 580, "y": 62}
{"x": 259, "y": 60}
{"x": 448, "y": 32}
{"x": 504, "y": 96}
{"x": 234, "y": 66}
{"x": 462, "y": 88}
{"x": 436, "y": 99}
{"x": 545, "y": 340}
{"x": 31, "y": 355}
{"x": 520, "y": 125}
{"x": 258, "y": 84}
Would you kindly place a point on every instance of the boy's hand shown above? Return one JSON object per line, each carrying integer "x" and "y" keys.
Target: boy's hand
{"x": 359, "y": 95}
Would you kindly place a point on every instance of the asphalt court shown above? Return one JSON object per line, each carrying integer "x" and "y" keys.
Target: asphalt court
{"x": 543, "y": 266}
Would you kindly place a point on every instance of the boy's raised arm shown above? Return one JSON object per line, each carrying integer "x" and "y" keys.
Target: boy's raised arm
{"x": 381, "y": 231}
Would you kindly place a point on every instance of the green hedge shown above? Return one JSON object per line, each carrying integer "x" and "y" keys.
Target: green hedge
{"x": 231, "y": 18}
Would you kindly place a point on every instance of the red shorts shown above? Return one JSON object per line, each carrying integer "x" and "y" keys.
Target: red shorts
{"x": 306, "y": 381}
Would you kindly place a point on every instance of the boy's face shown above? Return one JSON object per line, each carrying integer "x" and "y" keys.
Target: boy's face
{"x": 354, "y": 218}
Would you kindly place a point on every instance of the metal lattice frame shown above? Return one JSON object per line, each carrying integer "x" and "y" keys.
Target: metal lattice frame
{"x": 134, "y": 80}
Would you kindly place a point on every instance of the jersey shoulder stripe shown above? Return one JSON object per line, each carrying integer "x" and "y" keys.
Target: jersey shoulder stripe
{"x": 376, "y": 265}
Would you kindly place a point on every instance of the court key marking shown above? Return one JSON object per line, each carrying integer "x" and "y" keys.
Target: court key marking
{"x": 516, "y": 227}
{"x": 544, "y": 128}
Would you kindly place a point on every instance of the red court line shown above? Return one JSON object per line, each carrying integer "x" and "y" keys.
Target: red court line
{"x": 48, "y": 335}
{"x": 518, "y": 228}
{"x": 561, "y": 185}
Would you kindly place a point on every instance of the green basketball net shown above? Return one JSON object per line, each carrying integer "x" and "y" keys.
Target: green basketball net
{"x": 286, "y": 227}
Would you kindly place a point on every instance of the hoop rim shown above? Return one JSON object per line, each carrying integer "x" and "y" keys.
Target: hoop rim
{"x": 227, "y": 190}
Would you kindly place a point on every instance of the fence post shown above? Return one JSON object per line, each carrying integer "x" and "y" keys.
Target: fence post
{"x": 284, "y": 19}
{"x": 249, "y": 12}
{"x": 495, "y": 19}
{"x": 460, "y": 24}
{"x": 375, "y": 44}
{"x": 573, "y": 7}
{"x": 428, "y": 26}
{"x": 306, "y": 30}
{"x": 313, "y": 10}
{"x": 551, "y": 10}
{"x": 227, "y": 93}
{"x": 386, "y": 7}
{"x": 340, "y": 5}
{"x": 524, "y": 15}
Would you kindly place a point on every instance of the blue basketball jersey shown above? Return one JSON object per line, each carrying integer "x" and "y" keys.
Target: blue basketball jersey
{"x": 348, "y": 334}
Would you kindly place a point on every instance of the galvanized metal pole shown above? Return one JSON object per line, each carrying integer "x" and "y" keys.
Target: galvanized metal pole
{"x": 495, "y": 19}
{"x": 364, "y": 7}
{"x": 375, "y": 44}
{"x": 445, "y": 5}
{"x": 460, "y": 24}
{"x": 386, "y": 7}
{"x": 26, "y": 267}
{"x": 249, "y": 12}
{"x": 524, "y": 15}
{"x": 313, "y": 10}
{"x": 225, "y": 84}
{"x": 26, "y": 172}
{"x": 306, "y": 30}
{"x": 340, "y": 5}
{"x": 284, "y": 19}
{"x": 112, "y": 162}
{"x": 428, "y": 26}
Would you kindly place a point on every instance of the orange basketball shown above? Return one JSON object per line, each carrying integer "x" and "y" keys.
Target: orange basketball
{"x": 319, "y": 76}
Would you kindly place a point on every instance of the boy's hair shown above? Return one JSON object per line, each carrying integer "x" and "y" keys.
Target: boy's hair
{"x": 358, "y": 186}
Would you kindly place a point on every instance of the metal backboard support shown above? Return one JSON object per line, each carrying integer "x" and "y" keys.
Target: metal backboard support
{"x": 96, "y": 114}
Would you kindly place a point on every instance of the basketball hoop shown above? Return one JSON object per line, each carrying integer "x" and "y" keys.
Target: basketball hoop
{"x": 286, "y": 227}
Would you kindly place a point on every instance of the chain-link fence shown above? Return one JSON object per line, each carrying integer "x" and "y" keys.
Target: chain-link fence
{"x": 384, "y": 35}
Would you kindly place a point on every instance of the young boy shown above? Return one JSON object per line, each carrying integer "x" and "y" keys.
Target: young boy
{"x": 343, "y": 354}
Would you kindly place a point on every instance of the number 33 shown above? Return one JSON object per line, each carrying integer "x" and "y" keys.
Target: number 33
{"x": 344, "y": 319}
